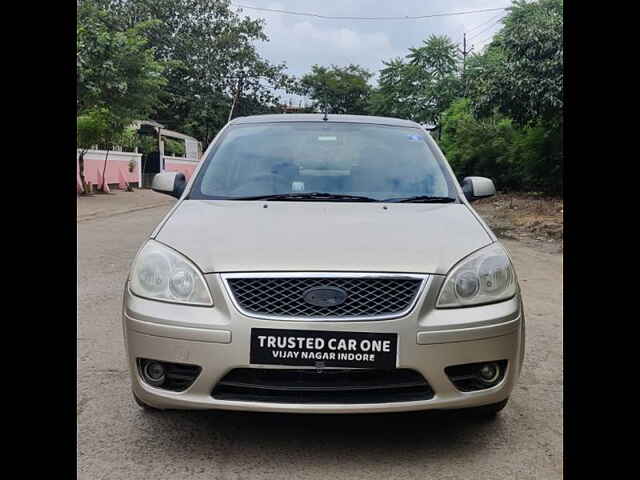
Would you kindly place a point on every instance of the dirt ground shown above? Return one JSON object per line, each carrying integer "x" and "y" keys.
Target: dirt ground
{"x": 534, "y": 220}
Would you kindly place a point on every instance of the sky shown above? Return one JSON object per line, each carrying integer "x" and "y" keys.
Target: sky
{"x": 301, "y": 41}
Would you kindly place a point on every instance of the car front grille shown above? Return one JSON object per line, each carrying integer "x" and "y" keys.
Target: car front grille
{"x": 328, "y": 386}
{"x": 368, "y": 296}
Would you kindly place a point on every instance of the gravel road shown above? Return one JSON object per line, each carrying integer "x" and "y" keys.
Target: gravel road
{"x": 118, "y": 440}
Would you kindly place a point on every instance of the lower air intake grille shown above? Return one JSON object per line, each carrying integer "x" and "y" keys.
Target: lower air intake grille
{"x": 178, "y": 376}
{"x": 364, "y": 296}
{"x": 329, "y": 386}
{"x": 466, "y": 379}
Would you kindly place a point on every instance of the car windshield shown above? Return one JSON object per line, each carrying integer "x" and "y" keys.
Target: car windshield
{"x": 316, "y": 160}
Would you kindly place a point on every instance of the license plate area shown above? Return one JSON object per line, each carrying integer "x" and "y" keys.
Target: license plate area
{"x": 322, "y": 348}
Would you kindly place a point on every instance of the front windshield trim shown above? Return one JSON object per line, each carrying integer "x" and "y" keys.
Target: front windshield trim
{"x": 195, "y": 192}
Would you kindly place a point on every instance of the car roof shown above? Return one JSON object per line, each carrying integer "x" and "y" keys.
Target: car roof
{"x": 318, "y": 117}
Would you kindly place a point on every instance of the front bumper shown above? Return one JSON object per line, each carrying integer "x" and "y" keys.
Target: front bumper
{"x": 218, "y": 339}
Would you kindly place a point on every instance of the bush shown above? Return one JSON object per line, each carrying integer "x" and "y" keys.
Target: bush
{"x": 147, "y": 143}
{"x": 174, "y": 148}
{"x": 480, "y": 147}
{"x": 517, "y": 159}
{"x": 539, "y": 151}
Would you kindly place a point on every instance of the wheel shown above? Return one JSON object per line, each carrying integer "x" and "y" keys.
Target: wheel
{"x": 486, "y": 411}
{"x": 141, "y": 404}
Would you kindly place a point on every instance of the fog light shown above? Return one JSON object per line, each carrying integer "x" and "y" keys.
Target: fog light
{"x": 153, "y": 373}
{"x": 489, "y": 373}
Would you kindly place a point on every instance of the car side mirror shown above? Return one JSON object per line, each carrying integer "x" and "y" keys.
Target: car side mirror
{"x": 475, "y": 188}
{"x": 170, "y": 183}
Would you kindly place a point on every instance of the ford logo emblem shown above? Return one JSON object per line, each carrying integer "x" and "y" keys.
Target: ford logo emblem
{"x": 325, "y": 296}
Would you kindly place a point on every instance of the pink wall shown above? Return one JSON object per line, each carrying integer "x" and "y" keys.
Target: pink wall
{"x": 180, "y": 166}
{"x": 117, "y": 167}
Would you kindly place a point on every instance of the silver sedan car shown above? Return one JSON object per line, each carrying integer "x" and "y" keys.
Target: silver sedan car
{"x": 323, "y": 265}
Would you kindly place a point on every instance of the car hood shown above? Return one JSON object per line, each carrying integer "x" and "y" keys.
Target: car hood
{"x": 243, "y": 236}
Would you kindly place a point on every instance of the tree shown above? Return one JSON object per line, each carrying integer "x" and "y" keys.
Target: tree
{"x": 480, "y": 147}
{"x": 437, "y": 58}
{"x": 340, "y": 89}
{"x": 172, "y": 147}
{"x": 479, "y": 65}
{"x": 99, "y": 126}
{"x": 516, "y": 157}
{"x": 115, "y": 68}
{"x": 421, "y": 86}
{"x": 205, "y": 48}
{"x": 507, "y": 120}
{"x": 520, "y": 75}
{"x": 89, "y": 132}
{"x": 523, "y": 71}
{"x": 393, "y": 97}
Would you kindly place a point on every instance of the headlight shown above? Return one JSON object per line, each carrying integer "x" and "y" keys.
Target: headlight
{"x": 160, "y": 273}
{"x": 486, "y": 276}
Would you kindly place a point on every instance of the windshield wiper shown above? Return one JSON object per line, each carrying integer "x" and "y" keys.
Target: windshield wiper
{"x": 421, "y": 199}
{"x": 309, "y": 196}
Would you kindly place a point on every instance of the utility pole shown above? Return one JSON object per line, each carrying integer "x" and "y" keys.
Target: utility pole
{"x": 465, "y": 52}
{"x": 236, "y": 97}
{"x": 326, "y": 107}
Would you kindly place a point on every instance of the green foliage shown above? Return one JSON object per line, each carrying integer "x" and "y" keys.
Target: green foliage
{"x": 99, "y": 126}
{"x": 115, "y": 67}
{"x": 538, "y": 148}
{"x": 147, "y": 143}
{"x": 90, "y": 127}
{"x": 523, "y": 68}
{"x": 437, "y": 58}
{"x": 128, "y": 139}
{"x": 516, "y": 158}
{"x": 178, "y": 62}
{"x": 173, "y": 147}
{"x": 478, "y": 69}
{"x": 343, "y": 90}
{"x": 421, "y": 86}
{"x": 204, "y": 46}
{"x": 480, "y": 147}
{"x": 510, "y": 125}
{"x": 393, "y": 96}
